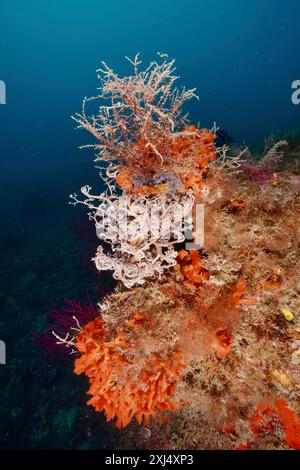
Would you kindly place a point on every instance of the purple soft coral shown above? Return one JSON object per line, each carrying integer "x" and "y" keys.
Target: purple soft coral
{"x": 264, "y": 171}
{"x": 258, "y": 174}
{"x": 61, "y": 320}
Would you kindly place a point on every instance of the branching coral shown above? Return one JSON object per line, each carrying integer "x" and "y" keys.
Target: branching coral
{"x": 264, "y": 171}
{"x": 144, "y": 109}
{"x": 65, "y": 322}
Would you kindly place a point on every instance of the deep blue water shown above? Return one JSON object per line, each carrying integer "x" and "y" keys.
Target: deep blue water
{"x": 241, "y": 55}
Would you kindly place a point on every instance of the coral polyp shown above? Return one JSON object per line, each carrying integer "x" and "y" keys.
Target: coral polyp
{"x": 198, "y": 343}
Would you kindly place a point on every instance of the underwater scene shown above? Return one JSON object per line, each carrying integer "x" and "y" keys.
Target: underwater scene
{"x": 150, "y": 232}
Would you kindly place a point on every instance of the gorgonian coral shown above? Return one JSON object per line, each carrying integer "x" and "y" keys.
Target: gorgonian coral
{"x": 63, "y": 323}
{"x": 265, "y": 170}
{"x": 144, "y": 109}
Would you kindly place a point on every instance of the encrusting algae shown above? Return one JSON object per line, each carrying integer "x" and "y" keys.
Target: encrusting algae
{"x": 197, "y": 344}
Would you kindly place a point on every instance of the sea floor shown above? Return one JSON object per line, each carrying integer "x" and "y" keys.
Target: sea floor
{"x": 43, "y": 404}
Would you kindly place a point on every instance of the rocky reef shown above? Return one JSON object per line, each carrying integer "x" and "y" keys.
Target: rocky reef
{"x": 198, "y": 346}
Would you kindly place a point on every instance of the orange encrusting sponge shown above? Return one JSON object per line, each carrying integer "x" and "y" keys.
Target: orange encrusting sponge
{"x": 288, "y": 418}
{"x": 125, "y": 388}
